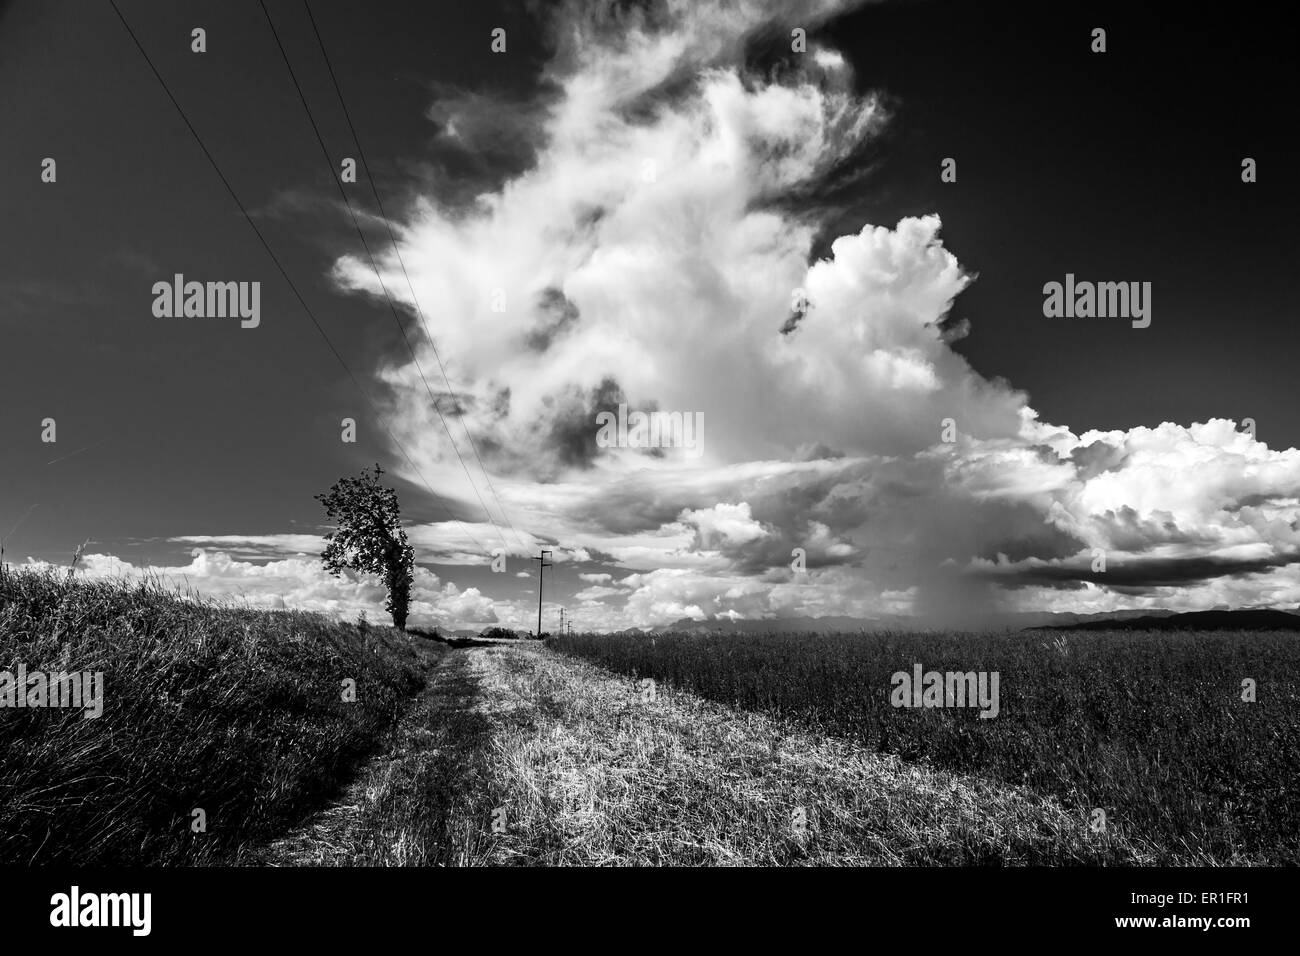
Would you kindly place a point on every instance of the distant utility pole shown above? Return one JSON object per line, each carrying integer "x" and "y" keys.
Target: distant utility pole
{"x": 561, "y": 620}
{"x": 541, "y": 574}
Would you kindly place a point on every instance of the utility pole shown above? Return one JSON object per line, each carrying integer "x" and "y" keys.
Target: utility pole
{"x": 562, "y": 620}
{"x": 541, "y": 574}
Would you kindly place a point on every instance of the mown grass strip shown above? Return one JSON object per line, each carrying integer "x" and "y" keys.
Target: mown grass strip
{"x": 1150, "y": 728}
{"x": 597, "y": 775}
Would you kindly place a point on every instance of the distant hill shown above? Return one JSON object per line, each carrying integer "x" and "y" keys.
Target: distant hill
{"x": 771, "y": 625}
{"x": 440, "y": 633}
{"x": 893, "y": 622}
{"x": 1256, "y": 619}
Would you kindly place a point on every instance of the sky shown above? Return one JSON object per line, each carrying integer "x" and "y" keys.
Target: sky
{"x": 668, "y": 206}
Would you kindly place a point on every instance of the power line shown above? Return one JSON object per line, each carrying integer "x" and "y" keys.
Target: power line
{"x": 302, "y": 98}
{"x": 279, "y": 266}
{"x": 23, "y": 517}
{"x": 78, "y": 451}
{"x": 365, "y": 165}
{"x": 375, "y": 267}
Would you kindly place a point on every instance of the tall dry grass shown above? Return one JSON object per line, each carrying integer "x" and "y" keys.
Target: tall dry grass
{"x": 1149, "y": 727}
{"x": 230, "y": 710}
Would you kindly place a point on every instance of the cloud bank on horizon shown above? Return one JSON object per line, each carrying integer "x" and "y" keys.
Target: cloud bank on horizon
{"x": 657, "y": 252}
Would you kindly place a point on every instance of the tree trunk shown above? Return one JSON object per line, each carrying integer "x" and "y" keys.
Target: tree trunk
{"x": 399, "y": 587}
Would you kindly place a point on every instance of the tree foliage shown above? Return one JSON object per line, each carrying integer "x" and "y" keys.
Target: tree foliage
{"x": 370, "y": 537}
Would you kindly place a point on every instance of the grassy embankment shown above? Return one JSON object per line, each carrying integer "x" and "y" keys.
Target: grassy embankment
{"x": 235, "y": 712}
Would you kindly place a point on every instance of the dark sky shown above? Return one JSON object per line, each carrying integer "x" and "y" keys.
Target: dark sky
{"x": 1123, "y": 165}
{"x": 1120, "y": 166}
{"x": 204, "y": 424}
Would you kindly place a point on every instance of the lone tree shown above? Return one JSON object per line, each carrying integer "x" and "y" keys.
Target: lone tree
{"x": 370, "y": 537}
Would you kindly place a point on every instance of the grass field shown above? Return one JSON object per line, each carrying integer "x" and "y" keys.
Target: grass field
{"x": 1151, "y": 728}
{"x": 590, "y": 773}
{"x": 236, "y": 712}
{"x": 520, "y": 756}
{"x": 762, "y": 750}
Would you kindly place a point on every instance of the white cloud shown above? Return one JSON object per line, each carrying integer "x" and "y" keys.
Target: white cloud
{"x": 657, "y": 242}
{"x": 643, "y": 247}
{"x": 296, "y": 582}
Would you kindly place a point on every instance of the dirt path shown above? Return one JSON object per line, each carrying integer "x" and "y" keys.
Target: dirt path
{"x": 419, "y": 803}
{"x": 516, "y": 755}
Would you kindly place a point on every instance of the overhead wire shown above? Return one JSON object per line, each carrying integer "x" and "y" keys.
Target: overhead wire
{"x": 288, "y": 281}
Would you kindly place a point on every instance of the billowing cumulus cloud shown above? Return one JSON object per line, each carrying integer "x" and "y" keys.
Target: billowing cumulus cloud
{"x": 1199, "y": 515}
{"x": 641, "y": 234}
{"x": 656, "y": 252}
